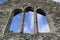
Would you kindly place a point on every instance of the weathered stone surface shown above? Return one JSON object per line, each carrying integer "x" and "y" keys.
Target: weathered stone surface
{"x": 31, "y": 37}
{"x": 52, "y": 10}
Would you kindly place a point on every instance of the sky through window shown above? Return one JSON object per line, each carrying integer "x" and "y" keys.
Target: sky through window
{"x": 29, "y": 23}
{"x": 15, "y": 26}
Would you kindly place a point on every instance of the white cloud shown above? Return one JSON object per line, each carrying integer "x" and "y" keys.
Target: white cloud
{"x": 56, "y": 0}
{"x": 44, "y": 29}
{"x": 39, "y": 16}
{"x": 32, "y": 20}
{"x": 26, "y": 30}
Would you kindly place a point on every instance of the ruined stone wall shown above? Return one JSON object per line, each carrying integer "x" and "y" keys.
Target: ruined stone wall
{"x": 52, "y": 10}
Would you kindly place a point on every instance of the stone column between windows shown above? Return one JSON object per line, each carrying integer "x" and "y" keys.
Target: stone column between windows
{"x": 35, "y": 22}
{"x": 22, "y": 22}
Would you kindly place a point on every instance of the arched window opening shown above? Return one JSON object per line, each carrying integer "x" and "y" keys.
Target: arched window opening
{"x": 3, "y": 1}
{"x": 16, "y": 21}
{"x": 40, "y": 11}
{"x": 29, "y": 9}
{"x": 29, "y": 20}
{"x": 43, "y": 26}
{"x": 17, "y": 11}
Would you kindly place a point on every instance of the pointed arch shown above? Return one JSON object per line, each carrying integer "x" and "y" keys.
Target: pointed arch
{"x": 13, "y": 14}
{"x": 40, "y": 11}
{"x": 17, "y": 11}
{"x": 29, "y": 9}
{"x": 43, "y": 26}
{"x": 29, "y": 20}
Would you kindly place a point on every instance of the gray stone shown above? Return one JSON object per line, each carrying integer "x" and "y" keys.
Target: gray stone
{"x": 49, "y": 7}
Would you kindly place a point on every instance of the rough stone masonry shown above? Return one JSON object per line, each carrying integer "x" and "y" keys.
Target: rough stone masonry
{"x": 49, "y": 8}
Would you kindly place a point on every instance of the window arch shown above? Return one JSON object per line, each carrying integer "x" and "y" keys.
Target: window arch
{"x": 27, "y": 9}
{"x": 29, "y": 13}
{"x": 17, "y": 11}
{"x": 43, "y": 26}
{"x": 40, "y": 11}
{"x": 16, "y": 21}
{"x": 29, "y": 20}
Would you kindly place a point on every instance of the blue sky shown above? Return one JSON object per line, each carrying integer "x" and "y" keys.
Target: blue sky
{"x": 29, "y": 22}
{"x": 2, "y": 1}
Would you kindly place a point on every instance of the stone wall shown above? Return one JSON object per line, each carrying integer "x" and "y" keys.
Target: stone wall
{"x": 47, "y": 36}
{"x": 52, "y": 10}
